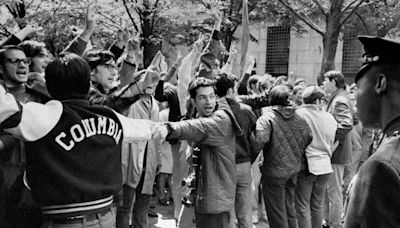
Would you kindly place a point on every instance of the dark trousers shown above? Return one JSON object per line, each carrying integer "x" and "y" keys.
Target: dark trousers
{"x": 279, "y": 201}
{"x": 212, "y": 220}
{"x": 133, "y": 198}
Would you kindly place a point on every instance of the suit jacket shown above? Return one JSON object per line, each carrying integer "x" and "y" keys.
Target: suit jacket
{"x": 340, "y": 107}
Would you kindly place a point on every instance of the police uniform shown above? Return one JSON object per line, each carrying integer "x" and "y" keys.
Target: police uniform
{"x": 374, "y": 198}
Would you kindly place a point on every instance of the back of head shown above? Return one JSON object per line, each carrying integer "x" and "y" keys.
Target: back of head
{"x": 280, "y": 95}
{"x": 312, "y": 93}
{"x": 223, "y": 83}
{"x": 68, "y": 77}
{"x": 337, "y": 76}
{"x": 32, "y": 48}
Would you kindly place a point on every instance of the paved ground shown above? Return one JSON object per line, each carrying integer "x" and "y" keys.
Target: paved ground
{"x": 166, "y": 219}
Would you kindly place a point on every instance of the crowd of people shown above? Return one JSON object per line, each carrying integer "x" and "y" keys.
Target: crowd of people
{"x": 88, "y": 135}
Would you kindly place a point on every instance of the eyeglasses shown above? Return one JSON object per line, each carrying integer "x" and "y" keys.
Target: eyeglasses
{"x": 16, "y": 61}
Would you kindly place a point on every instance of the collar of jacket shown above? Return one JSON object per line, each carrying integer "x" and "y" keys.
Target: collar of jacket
{"x": 392, "y": 127}
{"x": 310, "y": 106}
{"x": 333, "y": 95}
{"x": 35, "y": 87}
{"x": 78, "y": 102}
{"x": 222, "y": 104}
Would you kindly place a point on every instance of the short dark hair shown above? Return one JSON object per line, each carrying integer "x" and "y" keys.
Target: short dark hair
{"x": 68, "y": 77}
{"x": 297, "y": 88}
{"x": 312, "y": 93}
{"x": 337, "y": 76}
{"x": 199, "y": 82}
{"x": 6, "y": 48}
{"x": 97, "y": 57}
{"x": 32, "y": 48}
{"x": 223, "y": 83}
{"x": 280, "y": 95}
{"x": 253, "y": 80}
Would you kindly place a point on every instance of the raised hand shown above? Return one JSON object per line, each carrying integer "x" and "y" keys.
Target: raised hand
{"x": 90, "y": 17}
{"x": 198, "y": 44}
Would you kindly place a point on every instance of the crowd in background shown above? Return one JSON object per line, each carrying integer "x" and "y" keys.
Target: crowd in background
{"x": 279, "y": 149}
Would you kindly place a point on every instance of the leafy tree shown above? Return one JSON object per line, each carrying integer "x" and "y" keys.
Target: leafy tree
{"x": 334, "y": 14}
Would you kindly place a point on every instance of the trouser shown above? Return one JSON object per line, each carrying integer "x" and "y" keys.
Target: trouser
{"x": 133, "y": 198}
{"x": 212, "y": 220}
{"x": 180, "y": 170}
{"x": 350, "y": 170}
{"x": 334, "y": 199}
{"x": 242, "y": 208}
{"x": 279, "y": 201}
{"x": 185, "y": 218}
{"x": 309, "y": 199}
{"x": 98, "y": 220}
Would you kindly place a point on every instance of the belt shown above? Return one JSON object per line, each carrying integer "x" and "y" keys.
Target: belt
{"x": 80, "y": 218}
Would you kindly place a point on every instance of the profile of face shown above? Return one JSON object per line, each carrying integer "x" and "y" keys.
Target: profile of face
{"x": 106, "y": 74}
{"x": 297, "y": 97}
{"x": 15, "y": 68}
{"x": 329, "y": 85}
{"x": 205, "y": 100}
{"x": 40, "y": 61}
{"x": 368, "y": 102}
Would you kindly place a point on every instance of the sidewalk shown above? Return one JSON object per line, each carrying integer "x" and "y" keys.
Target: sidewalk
{"x": 166, "y": 219}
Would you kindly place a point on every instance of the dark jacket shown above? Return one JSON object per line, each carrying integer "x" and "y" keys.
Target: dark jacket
{"x": 374, "y": 198}
{"x": 339, "y": 106}
{"x": 247, "y": 121}
{"x": 285, "y": 136}
{"x": 215, "y": 136}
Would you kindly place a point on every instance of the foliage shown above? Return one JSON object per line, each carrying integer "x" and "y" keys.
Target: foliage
{"x": 380, "y": 18}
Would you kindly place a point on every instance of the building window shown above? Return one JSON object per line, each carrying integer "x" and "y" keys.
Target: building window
{"x": 277, "y": 60}
{"x": 352, "y": 52}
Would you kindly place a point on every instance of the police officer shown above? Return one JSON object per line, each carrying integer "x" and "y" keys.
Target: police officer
{"x": 374, "y": 196}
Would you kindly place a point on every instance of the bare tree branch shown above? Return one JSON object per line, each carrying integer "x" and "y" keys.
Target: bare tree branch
{"x": 349, "y": 5}
{"x": 40, "y": 3}
{"x": 130, "y": 15}
{"x": 6, "y": 32}
{"x": 356, "y": 7}
{"x": 29, "y": 4}
{"x": 304, "y": 19}
{"x": 320, "y": 7}
{"x": 363, "y": 23}
{"x": 113, "y": 23}
{"x": 54, "y": 12}
{"x": 154, "y": 14}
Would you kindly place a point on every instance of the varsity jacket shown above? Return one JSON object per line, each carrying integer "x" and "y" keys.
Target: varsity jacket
{"x": 74, "y": 151}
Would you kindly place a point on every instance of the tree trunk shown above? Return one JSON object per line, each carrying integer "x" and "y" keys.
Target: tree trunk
{"x": 330, "y": 37}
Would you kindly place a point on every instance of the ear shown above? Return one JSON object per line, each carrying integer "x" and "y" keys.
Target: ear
{"x": 381, "y": 84}
{"x": 192, "y": 101}
{"x": 229, "y": 92}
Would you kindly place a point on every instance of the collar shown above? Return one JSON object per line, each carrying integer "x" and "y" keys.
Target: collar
{"x": 79, "y": 102}
{"x": 310, "y": 106}
{"x": 392, "y": 127}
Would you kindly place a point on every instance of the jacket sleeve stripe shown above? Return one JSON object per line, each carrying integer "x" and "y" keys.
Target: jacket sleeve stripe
{"x": 13, "y": 120}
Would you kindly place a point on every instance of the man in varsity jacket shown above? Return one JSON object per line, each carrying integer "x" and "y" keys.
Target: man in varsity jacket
{"x": 73, "y": 148}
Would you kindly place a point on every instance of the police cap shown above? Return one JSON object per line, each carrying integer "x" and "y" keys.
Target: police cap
{"x": 378, "y": 50}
